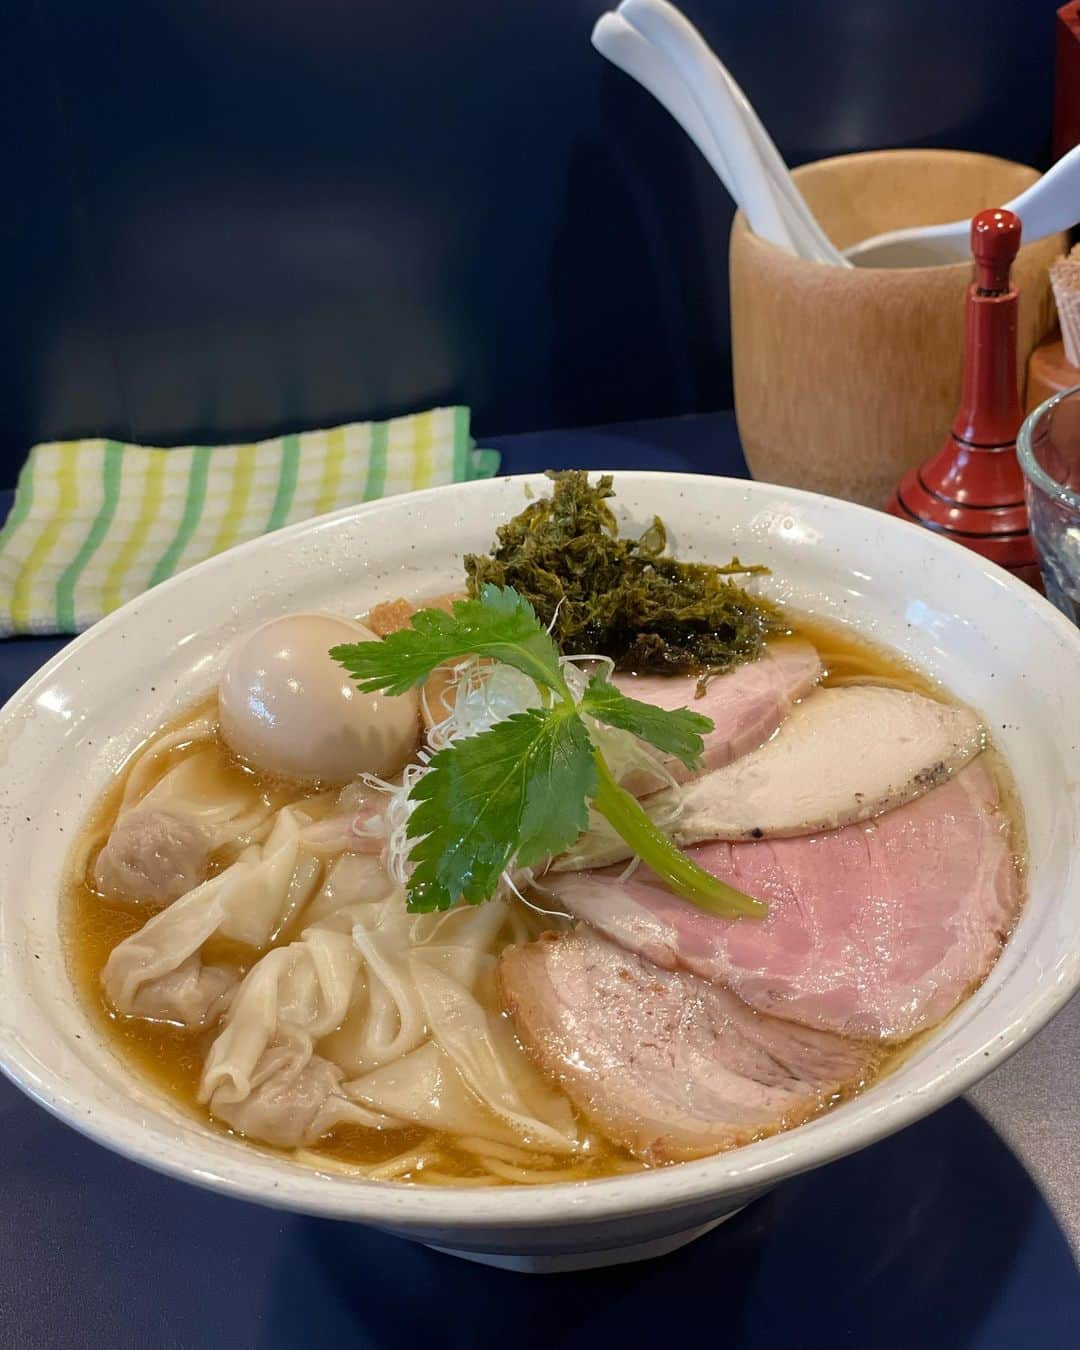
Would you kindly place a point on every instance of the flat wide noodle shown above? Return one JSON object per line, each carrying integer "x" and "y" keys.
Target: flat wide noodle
{"x": 424, "y": 1089}
{"x": 223, "y": 804}
{"x": 382, "y": 1013}
{"x": 291, "y": 997}
{"x": 484, "y": 1052}
{"x": 247, "y": 902}
{"x": 145, "y": 765}
{"x": 193, "y": 995}
{"x": 262, "y": 1074}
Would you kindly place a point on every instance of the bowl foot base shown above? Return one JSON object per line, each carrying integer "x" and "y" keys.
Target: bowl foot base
{"x": 554, "y": 1263}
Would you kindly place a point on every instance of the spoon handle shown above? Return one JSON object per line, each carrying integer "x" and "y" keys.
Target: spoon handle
{"x": 1050, "y": 204}
{"x": 684, "y": 46}
{"x": 793, "y": 202}
{"x": 1053, "y": 202}
{"x": 636, "y": 56}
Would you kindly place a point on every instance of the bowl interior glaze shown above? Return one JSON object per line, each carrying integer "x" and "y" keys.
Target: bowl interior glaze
{"x": 989, "y": 639}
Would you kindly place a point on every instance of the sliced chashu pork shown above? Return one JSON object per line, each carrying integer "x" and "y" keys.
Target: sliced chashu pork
{"x": 746, "y": 705}
{"x": 844, "y": 755}
{"x": 875, "y": 930}
{"x": 664, "y": 1063}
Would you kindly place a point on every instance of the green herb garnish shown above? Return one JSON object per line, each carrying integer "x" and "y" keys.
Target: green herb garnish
{"x": 623, "y": 598}
{"x": 519, "y": 792}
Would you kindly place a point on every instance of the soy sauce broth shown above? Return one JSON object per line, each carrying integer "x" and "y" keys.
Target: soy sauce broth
{"x": 172, "y": 1058}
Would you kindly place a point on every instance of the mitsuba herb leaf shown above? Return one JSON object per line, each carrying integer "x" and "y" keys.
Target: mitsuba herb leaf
{"x": 513, "y": 794}
{"x": 678, "y": 732}
{"x": 623, "y": 598}
{"x": 519, "y": 792}
{"x": 499, "y": 624}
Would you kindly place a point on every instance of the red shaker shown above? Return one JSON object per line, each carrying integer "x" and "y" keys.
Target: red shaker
{"x": 972, "y": 489}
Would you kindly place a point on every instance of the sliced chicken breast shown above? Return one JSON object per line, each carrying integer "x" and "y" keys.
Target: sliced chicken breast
{"x": 746, "y": 705}
{"x": 875, "y": 930}
{"x": 844, "y": 755}
{"x": 664, "y": 1063}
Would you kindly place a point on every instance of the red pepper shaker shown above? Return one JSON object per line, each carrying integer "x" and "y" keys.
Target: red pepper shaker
{"x": 972, "y": 489}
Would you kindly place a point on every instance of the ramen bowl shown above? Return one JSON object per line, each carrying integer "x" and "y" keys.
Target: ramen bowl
{"x": 990, "y": 640}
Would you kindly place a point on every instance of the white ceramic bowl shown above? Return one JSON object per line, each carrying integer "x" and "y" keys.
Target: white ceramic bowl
{"x": 988, "y": 638}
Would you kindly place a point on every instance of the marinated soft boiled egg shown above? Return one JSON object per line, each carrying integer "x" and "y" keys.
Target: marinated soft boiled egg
{"x": 287, "y": 708}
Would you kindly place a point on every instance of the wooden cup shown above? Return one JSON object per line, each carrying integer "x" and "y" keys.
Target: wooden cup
{"x": 847, "y": 377}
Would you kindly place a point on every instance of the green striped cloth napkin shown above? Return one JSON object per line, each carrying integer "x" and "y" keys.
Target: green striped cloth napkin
{"x": 96, "y": 522}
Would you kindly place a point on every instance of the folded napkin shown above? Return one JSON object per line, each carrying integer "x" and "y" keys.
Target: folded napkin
{"x": 97, "y": 521}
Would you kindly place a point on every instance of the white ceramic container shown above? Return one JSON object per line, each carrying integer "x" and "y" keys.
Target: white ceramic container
{"x": 988, "y": 638}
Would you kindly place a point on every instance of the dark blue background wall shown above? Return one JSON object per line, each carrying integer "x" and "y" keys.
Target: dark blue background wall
{"x": 226, "y": 218}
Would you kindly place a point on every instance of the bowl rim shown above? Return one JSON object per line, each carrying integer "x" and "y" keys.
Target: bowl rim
{"x": 463, "y": 1210}
{"x": 1034, "y": 472}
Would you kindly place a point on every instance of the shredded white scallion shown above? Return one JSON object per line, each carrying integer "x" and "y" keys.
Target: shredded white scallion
{"x": 483, "y": 695}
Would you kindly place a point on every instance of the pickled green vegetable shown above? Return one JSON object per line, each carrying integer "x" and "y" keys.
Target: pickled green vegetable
{"x": 602, "y": 594}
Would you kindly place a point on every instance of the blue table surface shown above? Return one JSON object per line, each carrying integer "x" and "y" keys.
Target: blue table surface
{"x": 936, "y": 1237}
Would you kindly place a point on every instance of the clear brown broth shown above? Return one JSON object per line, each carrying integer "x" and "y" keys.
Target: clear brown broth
{"x": 172, "y": 1057}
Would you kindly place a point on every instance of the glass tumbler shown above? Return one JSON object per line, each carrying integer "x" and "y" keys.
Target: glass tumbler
{"x": 1048, "y": 448}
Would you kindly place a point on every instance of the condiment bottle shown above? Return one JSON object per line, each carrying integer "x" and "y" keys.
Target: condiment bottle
{"x": 1055, "y": 362}
{"x": 972, "y": 489}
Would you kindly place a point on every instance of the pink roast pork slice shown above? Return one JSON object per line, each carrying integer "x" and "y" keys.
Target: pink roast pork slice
{"x": 664, "y": 1063}
{"x": 746, "y": 705}
{"x": 877, "y": 930}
